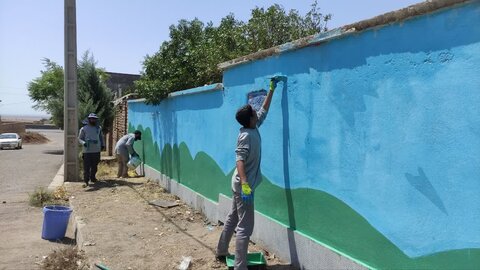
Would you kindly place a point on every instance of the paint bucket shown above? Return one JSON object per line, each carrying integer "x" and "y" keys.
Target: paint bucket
{"x": 256, "y": 261}
{"x": 134, "y": 162}
{"x": 55, "y": 221}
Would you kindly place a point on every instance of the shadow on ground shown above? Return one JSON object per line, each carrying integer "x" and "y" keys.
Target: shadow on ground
{"x": 281, "y": 267}
{"x": 53, "y": 152}
{"x": 65, "y": 241}
{"x": 109, "y": 183}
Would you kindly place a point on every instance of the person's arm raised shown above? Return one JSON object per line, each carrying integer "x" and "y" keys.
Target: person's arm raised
{"x": 268, "y": 99}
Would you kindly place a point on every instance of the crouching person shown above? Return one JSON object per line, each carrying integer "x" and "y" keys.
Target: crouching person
{"x": 124, "y": 149}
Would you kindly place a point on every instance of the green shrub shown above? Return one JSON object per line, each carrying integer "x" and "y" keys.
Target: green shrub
{"x": 41, "y": 197}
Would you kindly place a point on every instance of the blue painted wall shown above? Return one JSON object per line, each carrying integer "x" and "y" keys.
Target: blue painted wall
{"x": 387, "y": 121}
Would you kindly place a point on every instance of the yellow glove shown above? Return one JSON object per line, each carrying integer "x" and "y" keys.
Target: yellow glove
{"x": 273, "y": 84}
{"x": 246, "y": 190}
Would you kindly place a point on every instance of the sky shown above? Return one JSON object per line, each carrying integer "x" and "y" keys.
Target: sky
{"x": 120, "y": 33}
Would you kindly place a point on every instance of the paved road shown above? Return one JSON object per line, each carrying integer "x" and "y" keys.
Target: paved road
{"x": 21, "y": 171}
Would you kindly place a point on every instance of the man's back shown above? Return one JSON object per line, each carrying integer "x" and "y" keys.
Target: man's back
{"x": 249, "y": 149}
{"x": 124, "y": 143}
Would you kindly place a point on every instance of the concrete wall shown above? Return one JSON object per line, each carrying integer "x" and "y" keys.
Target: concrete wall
{"x": 370, "y": 149}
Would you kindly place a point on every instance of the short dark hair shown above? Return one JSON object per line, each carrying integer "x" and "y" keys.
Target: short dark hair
{"x": 243, "y": 115}
{"x": 138, "y": 134}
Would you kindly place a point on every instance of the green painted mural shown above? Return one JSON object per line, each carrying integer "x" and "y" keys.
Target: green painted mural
{"x": 328, "y": 218}
{"x": 178, "y": 164}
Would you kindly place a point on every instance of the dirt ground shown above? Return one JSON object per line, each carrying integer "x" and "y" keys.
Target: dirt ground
{"x": 33, "y": 138}
{"x": 124, "y": 232}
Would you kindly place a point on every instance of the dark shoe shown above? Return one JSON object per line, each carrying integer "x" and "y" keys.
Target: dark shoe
{"x": 221, "y": 258}
{"x": 94, "y": 180}
{"x": 85, "y": 185}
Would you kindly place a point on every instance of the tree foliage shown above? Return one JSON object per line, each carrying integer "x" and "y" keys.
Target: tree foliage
{"x": 93, "y": 94}
{"x": 47, "y": 91}
{"x": 191, "y": 56}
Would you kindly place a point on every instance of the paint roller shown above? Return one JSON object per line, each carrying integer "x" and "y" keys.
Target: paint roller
{"x": 279, "y": 78}
{"x": 276, "y": 79}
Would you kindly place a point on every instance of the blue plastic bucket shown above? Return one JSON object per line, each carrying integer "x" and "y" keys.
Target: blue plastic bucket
{"x": 55, "y": 221}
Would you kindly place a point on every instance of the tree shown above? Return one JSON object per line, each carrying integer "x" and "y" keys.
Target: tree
{"x": 191, "y": 57}
{"x": 93, "y": 94}
{"x": 47, "y": 91}
{"x": 174, "y": 65}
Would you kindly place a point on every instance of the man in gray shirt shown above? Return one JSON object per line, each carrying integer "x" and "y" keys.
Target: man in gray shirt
{"x": 123, "y": 149}
{"x": 91, "y": 138}
{"x": 245, "y": 179}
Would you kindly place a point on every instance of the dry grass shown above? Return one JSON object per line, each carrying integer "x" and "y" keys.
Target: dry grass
{"x": 153, "y": 189}
{"x": 33, "y": 138}
{"x": 106, "y": 170}
{"x": 42, "y": 197}
{"x": 65, "y": 259}
{"x": 61, "y": 194}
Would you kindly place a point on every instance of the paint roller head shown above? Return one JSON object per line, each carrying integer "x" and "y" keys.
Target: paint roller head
{"x": 275, "y": 79}
{"x": 279, "y": 78}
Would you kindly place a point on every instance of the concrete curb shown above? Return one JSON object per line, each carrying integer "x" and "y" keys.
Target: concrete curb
{"x": 79, "y": 228}
{"x": 80, "y": 234}
{"x": 77, "y": 222}
{"x": 79, "y": 231}
{"x": 57, "y": 180}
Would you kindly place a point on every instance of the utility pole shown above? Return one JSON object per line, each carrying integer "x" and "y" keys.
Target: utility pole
{"x": 70, "y": 156}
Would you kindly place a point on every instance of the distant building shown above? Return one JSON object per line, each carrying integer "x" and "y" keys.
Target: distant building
{"x": 121, "y": 83}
